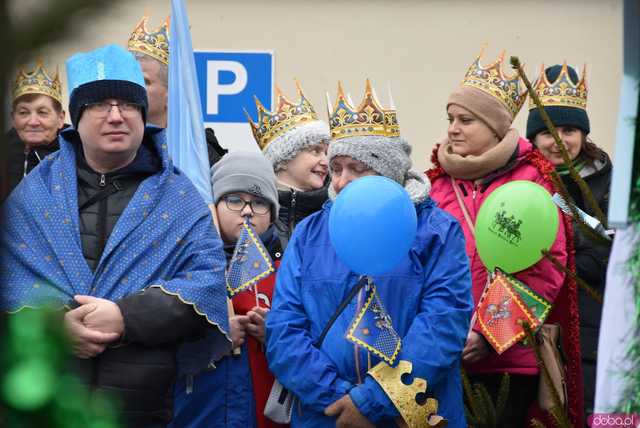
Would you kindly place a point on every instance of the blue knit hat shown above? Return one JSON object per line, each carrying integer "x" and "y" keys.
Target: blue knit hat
{"x": 560, "y": 115}
{"x": 107, "y": 72}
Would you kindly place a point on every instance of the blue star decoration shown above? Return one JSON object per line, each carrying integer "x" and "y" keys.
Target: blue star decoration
{"x": 372, "y": 328}
{"x": 250, "y": 262}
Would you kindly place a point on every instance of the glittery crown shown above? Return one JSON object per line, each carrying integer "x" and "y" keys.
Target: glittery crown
{"x": 492, "y": 80}
{"x": 563, "y": 91}
{"x": 286, "y": 116}
{"x": 38, "y": 82}
{"x": 369, "y": 119}
{"x": 403, "y": 396}
{"x": 153, "y": 43}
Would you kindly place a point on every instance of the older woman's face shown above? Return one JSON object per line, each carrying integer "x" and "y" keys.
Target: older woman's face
{"x": 345, "y": 169}
{"x": 468, "y": 134}
{"x": 37, "y": 121}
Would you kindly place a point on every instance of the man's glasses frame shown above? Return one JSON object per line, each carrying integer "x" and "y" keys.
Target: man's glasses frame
{"x": 102, "y": 109}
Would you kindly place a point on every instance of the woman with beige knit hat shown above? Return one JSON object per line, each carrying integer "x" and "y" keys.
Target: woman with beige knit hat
{"x": 481, "y": 153}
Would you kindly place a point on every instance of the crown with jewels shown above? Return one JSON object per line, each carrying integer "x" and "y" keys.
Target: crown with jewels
{"x": 562, "y": 92}
{"x": 38, "y": 82}
{"x": 286, "y": 116}
{"x": 369, "y": 119}
{"x": 153, "y": 43}
{"x": 492, "y": 80}
{"x": 403, "y": 396}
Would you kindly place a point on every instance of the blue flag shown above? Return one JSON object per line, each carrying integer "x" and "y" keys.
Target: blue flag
{"x": 372, "y": 328}
{"x": 185, "y": 130}
{"x": 250, "y": 262}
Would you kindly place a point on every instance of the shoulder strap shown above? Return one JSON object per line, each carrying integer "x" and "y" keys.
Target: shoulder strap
{"x": 354, "y": 290}
{"x": 463, "y": 207}
{"x": 102, "y": 194}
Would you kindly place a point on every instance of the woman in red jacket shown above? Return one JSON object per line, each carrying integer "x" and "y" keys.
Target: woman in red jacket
{"x": 481, "y": 153}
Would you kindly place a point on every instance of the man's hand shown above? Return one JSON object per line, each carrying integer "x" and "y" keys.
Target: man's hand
{"x": 106, "y": 318}
{"x": 237, "y": 329}
{"x": 86, "y": 343}
{"x": 257, "y": 315}
{"x": 475, "y": 349}
{"x": 348, "y": 414}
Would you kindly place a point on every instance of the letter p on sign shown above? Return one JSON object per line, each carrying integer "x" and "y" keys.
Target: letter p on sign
{"x": 215, "y": 87}
{"x": 228, "y": 82}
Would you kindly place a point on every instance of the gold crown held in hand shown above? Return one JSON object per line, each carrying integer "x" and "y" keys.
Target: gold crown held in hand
{"x": 404, "y": 396}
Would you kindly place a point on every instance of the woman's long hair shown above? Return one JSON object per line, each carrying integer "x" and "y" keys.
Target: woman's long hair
{"x": 590, "y": 149}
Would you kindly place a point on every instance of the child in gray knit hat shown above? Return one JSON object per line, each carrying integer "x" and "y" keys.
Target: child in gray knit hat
{"x": 244, "y": 186}
{"x": 250, "y": 174}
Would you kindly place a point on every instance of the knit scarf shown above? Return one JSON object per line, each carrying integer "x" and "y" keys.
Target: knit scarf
{"x": 473, "y": 167}
{"x": 578, "y": 164}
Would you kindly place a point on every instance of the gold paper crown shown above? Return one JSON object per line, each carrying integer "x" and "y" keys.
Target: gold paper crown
{"x": 562, "y": 92}
{"x": 493, "y": 81}
{"x": 403, "y": 396}
{"x": 287, "y": 115}
{"x": 38, "y": 82}
{"x": 369, "y": 119}
{"x": 153, "y": 43}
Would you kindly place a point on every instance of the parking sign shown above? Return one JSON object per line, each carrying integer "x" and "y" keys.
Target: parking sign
{"x": 229, "y": 80}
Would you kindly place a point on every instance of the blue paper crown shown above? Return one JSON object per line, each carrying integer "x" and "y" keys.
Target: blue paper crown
{"x": 110, "y": 62}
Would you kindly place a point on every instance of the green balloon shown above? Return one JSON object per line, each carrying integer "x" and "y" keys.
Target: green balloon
{"x": 515, "y": 223}
{"x": 29, "y": 384}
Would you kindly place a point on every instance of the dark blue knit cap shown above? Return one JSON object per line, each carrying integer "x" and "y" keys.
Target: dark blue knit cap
{"x": 100, "y": 90}
{"x": 560, "y": 115}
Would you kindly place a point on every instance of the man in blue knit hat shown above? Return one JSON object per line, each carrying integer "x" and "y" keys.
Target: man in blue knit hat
{"x": 108, "y": 229}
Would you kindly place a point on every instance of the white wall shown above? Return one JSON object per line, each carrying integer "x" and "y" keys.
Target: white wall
{"x": 423, "y": 48}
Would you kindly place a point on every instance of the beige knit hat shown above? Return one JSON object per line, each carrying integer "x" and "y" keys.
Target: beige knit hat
{"x": 487, "y": 108}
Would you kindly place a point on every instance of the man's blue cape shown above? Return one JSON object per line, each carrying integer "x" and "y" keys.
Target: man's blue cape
{"x": 164, "y": 238}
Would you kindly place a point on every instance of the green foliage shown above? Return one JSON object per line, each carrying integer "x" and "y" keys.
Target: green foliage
{"x": 35, "y": 390}
{"x": 536, "y": 423}
{"x": 479, "y": 409}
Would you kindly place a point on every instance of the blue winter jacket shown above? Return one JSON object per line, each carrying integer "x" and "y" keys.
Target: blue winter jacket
{"x": 428, "y": 298}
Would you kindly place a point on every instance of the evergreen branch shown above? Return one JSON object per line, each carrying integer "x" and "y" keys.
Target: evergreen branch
{"x": 471, "y": 420}
{"x": 488, "y": 404}
{"x": 471, "y": 399}
{"x": 535, "y": 423}
{"x": 559, "y": 417}
{"x": 503, "y": 394}
{"x": 584, "y": 187}
{"x": 483, "y": 412}
{"x": 563, "y": 420}
{"x": 581, "y": 282}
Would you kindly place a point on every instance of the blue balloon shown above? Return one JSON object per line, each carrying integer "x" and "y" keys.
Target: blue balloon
{"x": 372, "y": 225}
